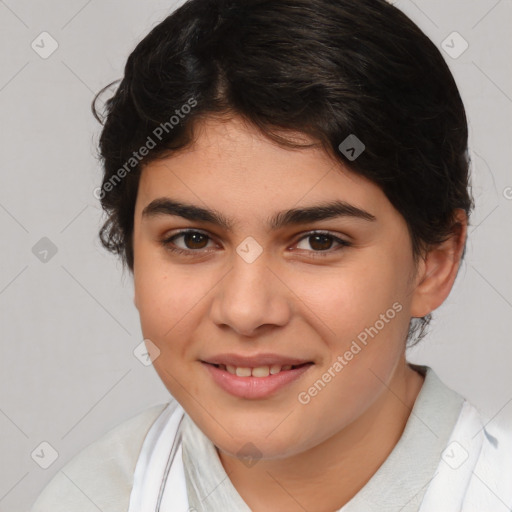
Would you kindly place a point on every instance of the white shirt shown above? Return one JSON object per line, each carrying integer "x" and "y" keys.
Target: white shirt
{"x": 102, "y": 475}
{"x": 398, "y": 485}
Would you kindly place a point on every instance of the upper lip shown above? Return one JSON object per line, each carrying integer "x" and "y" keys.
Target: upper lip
{"x": 254, "y": 360}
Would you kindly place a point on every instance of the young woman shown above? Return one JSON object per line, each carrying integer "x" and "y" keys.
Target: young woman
{"x": 287, "y": 181}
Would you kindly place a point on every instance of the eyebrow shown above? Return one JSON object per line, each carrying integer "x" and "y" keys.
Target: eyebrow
{"x": 303, "y": 215}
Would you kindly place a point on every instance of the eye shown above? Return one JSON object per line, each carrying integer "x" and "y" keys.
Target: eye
{"x": 321, "y": 242}
{"x": 193, "y": 241}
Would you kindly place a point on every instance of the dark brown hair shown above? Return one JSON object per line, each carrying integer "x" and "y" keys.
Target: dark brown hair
{"x": 326, "y": 68}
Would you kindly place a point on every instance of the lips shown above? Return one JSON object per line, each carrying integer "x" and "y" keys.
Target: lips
{"x": 244, "y": 383}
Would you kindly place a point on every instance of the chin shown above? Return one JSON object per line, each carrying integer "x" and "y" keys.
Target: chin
{"x": 255, "y": 450}
{"x": 259, "y": 445}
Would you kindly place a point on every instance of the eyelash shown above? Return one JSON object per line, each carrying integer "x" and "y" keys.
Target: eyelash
{"x": 166, "y": 243}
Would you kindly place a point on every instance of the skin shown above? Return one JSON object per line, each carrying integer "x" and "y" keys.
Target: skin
{"x": 315, "y": 456}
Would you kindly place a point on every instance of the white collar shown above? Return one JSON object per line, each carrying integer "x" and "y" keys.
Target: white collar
{"x": 160, "y": 483}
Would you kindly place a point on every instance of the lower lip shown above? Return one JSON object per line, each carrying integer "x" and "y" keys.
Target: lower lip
{"x": 254, "y": 387}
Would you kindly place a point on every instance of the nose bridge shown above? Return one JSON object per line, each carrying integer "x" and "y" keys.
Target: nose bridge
{"x": 249, "y": 280}
{"x": 250, "y": 295}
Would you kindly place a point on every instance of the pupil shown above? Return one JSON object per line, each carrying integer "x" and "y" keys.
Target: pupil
{"x": 192, "y": 238}
{"x": 326, "y": 239}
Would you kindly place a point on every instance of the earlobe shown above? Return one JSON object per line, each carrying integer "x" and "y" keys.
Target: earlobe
{"x": 439, "y": 269}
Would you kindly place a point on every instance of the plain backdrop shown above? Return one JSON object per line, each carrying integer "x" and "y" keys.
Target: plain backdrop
{"x": 69, "y": 328}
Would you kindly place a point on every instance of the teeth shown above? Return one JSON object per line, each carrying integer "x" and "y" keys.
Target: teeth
{"x": 259, "y": 371}
{"x": 275, "y": 368}
{"x": 243, "y": 372}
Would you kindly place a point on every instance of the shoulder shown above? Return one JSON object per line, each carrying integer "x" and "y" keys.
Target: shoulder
{"x": 492, "y": 476}
{"x": 490, "y": 460}
{"x": 100, "y": 477}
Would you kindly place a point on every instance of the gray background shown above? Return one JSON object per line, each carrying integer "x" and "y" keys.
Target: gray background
{"x": 69, "y": 326}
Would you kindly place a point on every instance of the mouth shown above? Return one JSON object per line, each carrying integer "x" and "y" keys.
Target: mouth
{"x": 255, "y": 382}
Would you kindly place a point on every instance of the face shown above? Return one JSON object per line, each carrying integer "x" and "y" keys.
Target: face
{"x": 329, "y": 287}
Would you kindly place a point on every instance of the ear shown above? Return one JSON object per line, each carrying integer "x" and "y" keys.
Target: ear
{"x": 438, "y": 269}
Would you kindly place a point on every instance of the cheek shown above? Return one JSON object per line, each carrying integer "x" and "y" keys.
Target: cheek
{"x": 167, "y": 298}
{"x": 169, "y": 304}
{"x": 359, "y": 315}
{"x": 347, "y": 300}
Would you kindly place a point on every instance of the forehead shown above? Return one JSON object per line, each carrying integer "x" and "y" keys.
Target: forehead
{"x": 233, "y": 167}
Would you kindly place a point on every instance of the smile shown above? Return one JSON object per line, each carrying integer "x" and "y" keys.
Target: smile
{"x": 254, "y": 382}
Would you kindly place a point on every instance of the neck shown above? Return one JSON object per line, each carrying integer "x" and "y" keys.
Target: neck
{"x": 329, "y": 475}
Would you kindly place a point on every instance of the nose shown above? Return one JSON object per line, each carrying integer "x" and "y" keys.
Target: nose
{"x": 251, "y": 298}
